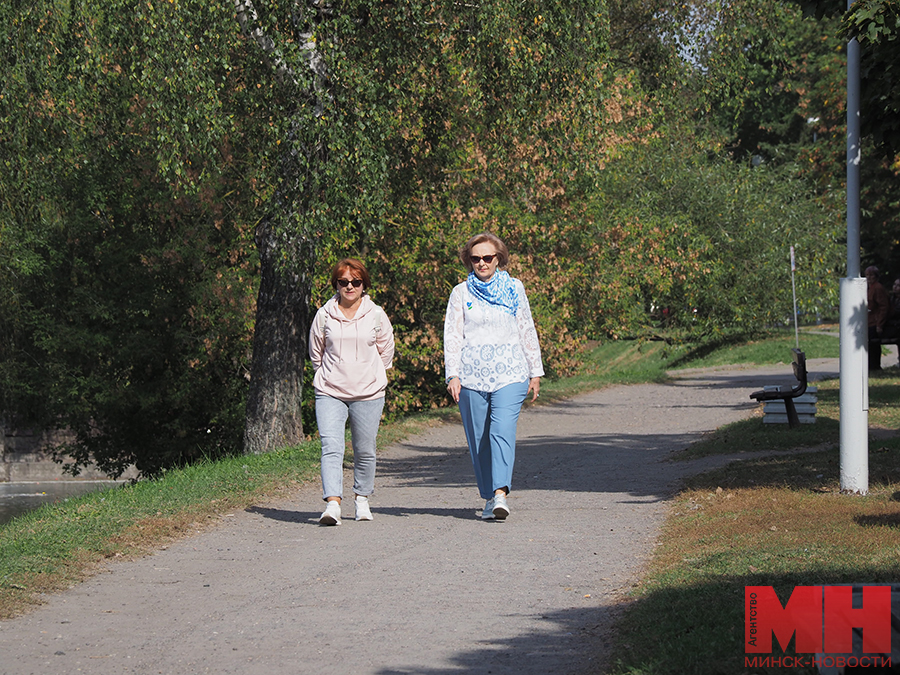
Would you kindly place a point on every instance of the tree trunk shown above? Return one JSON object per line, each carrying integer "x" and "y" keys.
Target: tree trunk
{"x": 286, "y": 257}
{"x": 280, "y": 344}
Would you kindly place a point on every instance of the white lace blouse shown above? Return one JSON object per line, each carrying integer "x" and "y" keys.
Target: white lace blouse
{"x": 487, "y": 347}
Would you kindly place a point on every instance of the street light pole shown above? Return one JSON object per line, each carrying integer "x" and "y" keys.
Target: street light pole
{"x": 854, "y": 392}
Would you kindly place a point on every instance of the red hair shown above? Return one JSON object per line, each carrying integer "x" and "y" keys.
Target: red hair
{"x": 356, "y": 269}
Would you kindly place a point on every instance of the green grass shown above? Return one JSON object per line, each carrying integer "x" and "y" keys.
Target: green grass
{"x": 56, "y": 546}
{"x": 752, "y": 436}
{"x": 770, "y": 350}
{"x": 620, "y": 362}
{"x": 778, "y": 519}
{"x": 635, "y": 361}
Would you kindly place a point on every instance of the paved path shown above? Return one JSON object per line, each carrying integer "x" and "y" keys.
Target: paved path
{"x": 426, "y": 587}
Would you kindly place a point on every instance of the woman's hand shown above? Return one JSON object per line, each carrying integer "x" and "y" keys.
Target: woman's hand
{"x": 535, "y": 386}
{"x": 453, "y": 386}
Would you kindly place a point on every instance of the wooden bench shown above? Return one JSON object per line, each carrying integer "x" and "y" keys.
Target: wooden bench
{"x": 799, "y": 367}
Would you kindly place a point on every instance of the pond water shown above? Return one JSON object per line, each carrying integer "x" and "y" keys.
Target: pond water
{"x": 19, "y": 498}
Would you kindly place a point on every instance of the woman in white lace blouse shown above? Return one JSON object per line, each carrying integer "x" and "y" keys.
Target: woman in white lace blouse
{"x": 492, "y": 361}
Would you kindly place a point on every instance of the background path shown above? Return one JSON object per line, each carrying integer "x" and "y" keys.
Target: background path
{"x": 426, "y": 587}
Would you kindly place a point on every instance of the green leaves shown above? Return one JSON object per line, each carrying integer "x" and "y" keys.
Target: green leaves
{"x": 873, "y": 21}
{"x": 697, "y": 245}
{"x": 148, "y": 146}
{"x": 876, "y": 24}
{"x": 130, "y": 283}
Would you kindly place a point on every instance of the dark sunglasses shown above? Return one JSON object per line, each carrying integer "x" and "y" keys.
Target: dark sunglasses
{"x": 343, "y": 283}
{"x": 478, "y": 258}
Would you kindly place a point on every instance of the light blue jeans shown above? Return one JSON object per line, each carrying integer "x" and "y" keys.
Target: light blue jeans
{"x": 490, "y": 420}
{"x": 331, "y": 416}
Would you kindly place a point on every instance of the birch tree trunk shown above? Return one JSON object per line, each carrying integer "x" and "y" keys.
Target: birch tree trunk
{"x": 279, "y": 351}
{"x": 286, "y": 256}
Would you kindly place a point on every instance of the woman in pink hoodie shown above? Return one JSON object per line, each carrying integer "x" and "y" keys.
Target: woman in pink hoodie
{"x": 351, "y": 345}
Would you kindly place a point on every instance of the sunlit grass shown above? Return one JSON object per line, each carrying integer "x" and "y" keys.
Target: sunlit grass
{"x": 776, "y": 520}
{"x": 687, "y": 616}
{"x": 634, "y": 361}
{"x": 58, "y": 544}
{"x": 751, "y": 435}
{"x": 775, "y": 349}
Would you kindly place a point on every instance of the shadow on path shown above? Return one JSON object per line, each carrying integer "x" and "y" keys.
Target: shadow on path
{"x": 570, "y": 642}
{"x": 312, "y": 517}
{"x": 575, "y": 463}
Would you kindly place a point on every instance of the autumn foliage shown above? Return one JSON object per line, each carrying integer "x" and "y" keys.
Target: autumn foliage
{"x": 152, "y": 150}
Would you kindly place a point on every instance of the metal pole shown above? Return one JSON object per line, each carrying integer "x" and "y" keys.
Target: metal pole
{"x": 854, "y": 315}
{"x": 794, "y": 291}
{"x": 854, "y": 388}
{"x": 853, "y": 159}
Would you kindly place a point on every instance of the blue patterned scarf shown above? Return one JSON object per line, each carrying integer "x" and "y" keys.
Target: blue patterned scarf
{"x": 499, "y": 290}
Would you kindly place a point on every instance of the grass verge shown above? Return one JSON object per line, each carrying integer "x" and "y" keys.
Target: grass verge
{"x": 56, "y": 546}
{"x": 777, "y": 520}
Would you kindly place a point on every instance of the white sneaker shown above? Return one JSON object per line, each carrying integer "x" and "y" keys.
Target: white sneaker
{"x": 501, "y": 508}
{"x": 362, "y": 508}
{"x": 488, "y": 513}
{"x": 332, "y": 514}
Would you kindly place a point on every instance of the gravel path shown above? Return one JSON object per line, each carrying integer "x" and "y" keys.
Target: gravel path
{"x": 426, "y": 587}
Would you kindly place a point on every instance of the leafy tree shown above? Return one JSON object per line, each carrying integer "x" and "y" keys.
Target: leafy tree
{"x": 876, "y": 24}
{"x": 308, "y": 126}
{"x": 127, "y": 292}
{"x": 701, "y": 244}
{"x": 701, "y": 239}
{"x": 415, "y": 103}
{"x": 157, "y": 153}
{"x": 759, "y": 72}
{"x": 506, "y": 126}
{"x": 775, "y": 80}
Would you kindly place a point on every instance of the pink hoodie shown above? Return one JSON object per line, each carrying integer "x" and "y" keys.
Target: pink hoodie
{"x": 350, "y": 356}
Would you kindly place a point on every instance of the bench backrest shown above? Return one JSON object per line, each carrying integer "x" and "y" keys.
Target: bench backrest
{"x": 799, "y": 364}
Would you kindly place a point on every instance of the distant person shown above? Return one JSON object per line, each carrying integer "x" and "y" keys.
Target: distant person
{"x": 879, "y": 311}
{"x": 351, "y": 345}
{"x": 492, "y": 361}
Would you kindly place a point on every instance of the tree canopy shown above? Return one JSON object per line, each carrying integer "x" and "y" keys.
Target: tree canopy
{"x": 179, "y": 178}
{"x": 876, "y": 24}
{"x": 125, "y": 237}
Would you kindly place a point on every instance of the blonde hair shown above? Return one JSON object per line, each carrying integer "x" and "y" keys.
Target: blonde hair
{"x": 465, "y": 253}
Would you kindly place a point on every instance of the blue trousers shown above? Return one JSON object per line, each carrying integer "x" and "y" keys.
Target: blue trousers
{"x": 490, "y": 419}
